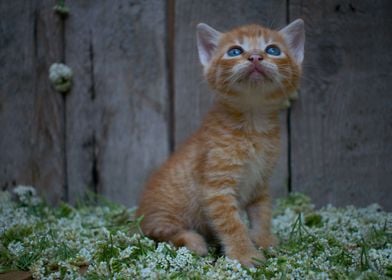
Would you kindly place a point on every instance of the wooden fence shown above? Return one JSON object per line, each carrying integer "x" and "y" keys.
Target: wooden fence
{"x": 138, "y": 93}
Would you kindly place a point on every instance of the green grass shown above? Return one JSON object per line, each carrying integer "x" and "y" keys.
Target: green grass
{"x": 55, "y": 243}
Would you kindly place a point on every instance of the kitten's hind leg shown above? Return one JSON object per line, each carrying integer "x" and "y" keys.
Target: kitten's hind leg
{"x": 192, "y": 240}
{"x": 179, "y": 237}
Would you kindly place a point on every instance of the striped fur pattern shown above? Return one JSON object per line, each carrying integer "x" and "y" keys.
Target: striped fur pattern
{"x": 223, "y": 169}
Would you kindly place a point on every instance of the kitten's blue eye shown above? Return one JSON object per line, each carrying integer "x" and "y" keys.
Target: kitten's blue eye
{"x": 235, "y": 51}
{"x": 273, "y": 50}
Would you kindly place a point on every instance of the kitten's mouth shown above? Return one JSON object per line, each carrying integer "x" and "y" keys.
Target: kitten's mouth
{"x": 256, "y": 72}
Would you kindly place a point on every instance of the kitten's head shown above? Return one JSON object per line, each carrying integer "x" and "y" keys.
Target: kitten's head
{"x": 252, "y": 64}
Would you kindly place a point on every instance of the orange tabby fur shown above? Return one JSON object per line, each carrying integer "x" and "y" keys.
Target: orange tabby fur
{"x": 223, "y": 168}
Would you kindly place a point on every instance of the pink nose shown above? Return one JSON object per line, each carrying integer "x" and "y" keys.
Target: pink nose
{"x": 255, "y": 58}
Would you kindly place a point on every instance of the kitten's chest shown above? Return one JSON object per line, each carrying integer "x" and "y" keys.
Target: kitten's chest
{"x": 262, "y": 154}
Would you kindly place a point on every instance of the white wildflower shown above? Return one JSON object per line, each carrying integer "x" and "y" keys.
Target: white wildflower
{"x": 182, "y": 259}
{"x": 105, "y": 232}
{"x": 5, "y": 200}
{"x": 27, "y": 195}
{"x": 16, "y": 248}
{"x": 61, "y": 77}
{"x": 146, "y": 273}
{"x": 85, "y": 254}
{"x": 126, "y": 253}
{"x": 38, "y": 269}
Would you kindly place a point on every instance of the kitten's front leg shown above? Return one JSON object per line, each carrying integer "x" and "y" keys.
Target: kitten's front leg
{"x": 223, "y": 213}
{"x": 259, "y": 214}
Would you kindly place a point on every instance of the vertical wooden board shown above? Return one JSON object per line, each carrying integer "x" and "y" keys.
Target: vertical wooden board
{"x": 341, "y": 127}
{"x": 279, "y": 182}
{"x": 30, "y": 111}
{"x": 81, "y": 111}
{"x": 117, "y": 130}
{"x": 192, "y": 96}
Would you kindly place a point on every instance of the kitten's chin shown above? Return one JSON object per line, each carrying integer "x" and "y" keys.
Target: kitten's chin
{"x": 257, "y": 86}
{"x": 256, "y": 81}
{"x": 256, "y": 77}
{"x": 256, "y": 74}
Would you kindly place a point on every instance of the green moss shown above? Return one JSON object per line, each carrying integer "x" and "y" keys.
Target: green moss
{"x": 388, "y": 270}
{"x": 343, "y": 258}
{"x": 26, "y": 260}
{"x": 16, "y": 233}
{"x": 6, "y": 260}
{"x": 313, "y": 220}
{"x": 298, "y": 202}
{"x": 379, "y": 237}
{"x": 64, "y": 210}
{"x": 61, "y": 8}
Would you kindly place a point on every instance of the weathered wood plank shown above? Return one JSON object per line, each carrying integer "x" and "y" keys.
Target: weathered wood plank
{"x": 341, "y": 127}
{"x": 117, "y": 130}
{"x": 192, "y": 96}
{"x": 31, "y": 112}
{"x": 16, "y": 275}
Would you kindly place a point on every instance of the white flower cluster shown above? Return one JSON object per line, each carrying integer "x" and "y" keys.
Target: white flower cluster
{"x": 16, "y": 248}
{"x": 336, "y": 246}
{"x": 61, "y": 77}
{"x": 10, "y": 215}
{"x": 27, "y": 195}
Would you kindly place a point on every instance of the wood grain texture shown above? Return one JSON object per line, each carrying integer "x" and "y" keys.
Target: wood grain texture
{"x": 342, "y": 125}
{"x": 31, "y": 122}
{"x": 117, "y": 130}
{"x": 16, "y": 275}
{"x": 192, "y": 96}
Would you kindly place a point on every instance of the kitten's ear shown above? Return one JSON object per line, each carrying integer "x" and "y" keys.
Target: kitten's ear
{"x": 207, "y": 41}
{"x": 294, "y": 35}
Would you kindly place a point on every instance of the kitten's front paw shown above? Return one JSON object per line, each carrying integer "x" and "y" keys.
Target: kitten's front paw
{"x": 250, "y": 259}
{"x": 265, "y": 241}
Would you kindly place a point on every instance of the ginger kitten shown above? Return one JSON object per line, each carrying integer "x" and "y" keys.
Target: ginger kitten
{"x": 224, "y": 168}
